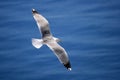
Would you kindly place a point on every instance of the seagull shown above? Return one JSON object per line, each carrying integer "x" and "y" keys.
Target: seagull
{"x": 49, "y": 40}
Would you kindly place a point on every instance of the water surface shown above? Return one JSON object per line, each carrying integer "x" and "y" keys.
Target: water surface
{"x": 89, "y": 30}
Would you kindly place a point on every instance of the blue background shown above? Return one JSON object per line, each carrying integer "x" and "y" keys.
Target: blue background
{"x": 89, "y": 30}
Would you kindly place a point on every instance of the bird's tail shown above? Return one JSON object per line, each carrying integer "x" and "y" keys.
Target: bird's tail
{"x": 37, "y": 43}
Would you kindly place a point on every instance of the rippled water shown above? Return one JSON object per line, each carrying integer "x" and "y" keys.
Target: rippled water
{"x": 89, "y": 30}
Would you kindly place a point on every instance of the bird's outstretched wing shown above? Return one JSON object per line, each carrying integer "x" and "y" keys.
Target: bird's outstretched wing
{"x": 60, "y": 53}
{"x": 42, "y": 23}
{"x": 43, "y": 26}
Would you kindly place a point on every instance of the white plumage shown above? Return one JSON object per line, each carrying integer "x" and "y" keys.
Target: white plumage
{"x": 49, "y": 40}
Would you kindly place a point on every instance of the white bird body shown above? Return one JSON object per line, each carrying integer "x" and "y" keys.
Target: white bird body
{"x": 49, "y": 40}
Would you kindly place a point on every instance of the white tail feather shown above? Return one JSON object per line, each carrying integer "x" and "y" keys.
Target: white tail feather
{"x": 37, "y": 43}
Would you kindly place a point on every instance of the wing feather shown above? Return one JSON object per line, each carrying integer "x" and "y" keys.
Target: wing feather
{"x": 42, "y": 23}
{"x": 60, "y": 53}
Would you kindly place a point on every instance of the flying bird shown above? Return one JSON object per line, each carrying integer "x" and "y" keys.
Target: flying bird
{"x": 49, "y": 40}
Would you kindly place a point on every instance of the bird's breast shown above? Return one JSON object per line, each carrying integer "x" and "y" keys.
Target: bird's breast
{"x": 48, "y": 40}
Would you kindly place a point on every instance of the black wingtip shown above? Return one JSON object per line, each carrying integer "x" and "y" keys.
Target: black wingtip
{"x": 68, "y": 66}
{"x": 34, "y": 11}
